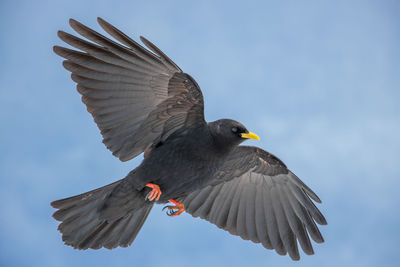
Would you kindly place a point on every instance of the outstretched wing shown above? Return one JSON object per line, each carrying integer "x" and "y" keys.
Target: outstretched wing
{"x": 137, "y": 98}
{"x": 257, "y": 198}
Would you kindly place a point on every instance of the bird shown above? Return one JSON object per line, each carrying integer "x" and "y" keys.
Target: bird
{"x": 143, "y": 103}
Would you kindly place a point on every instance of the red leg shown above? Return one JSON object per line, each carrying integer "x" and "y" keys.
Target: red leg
{"x": 175, "y": 210}
{"x": 155, "y": 193}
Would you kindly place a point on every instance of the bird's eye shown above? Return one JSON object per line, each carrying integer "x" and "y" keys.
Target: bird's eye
{"x": 234, "y": 129}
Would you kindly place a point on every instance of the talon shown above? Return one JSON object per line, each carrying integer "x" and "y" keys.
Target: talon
{"x": 176, "y": 210}
{"x": 155, "y": 193}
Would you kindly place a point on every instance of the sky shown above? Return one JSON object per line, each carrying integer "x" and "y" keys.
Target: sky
{"x": 318, "y": 81}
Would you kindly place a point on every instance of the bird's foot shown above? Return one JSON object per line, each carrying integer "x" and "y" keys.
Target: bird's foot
{"x": 155, "y": 193}
{"x": 174, "y": 210}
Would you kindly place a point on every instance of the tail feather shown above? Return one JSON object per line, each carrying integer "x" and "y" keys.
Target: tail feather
{"x": 132, "y": 228}
{"x": 84, "y": 197}
{"x": 83, "y": 225}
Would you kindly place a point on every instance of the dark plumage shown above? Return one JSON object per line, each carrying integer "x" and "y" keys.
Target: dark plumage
{"x": 143, "y": 102}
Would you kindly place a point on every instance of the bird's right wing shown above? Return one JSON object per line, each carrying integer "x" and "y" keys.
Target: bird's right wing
{"x": 137, "y": 98}
{"x": 257, "y": 198}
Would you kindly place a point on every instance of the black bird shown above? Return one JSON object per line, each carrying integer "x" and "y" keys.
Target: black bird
{"x": 143, "y": 102}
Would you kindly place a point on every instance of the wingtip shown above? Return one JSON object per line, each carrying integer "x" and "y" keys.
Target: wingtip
{"x": 75, "y": 77}
{"x": 295, "y": 257}
{"x": 57, "y": 49}
{"x": 57, "y": 215}
{"x": 310, "y": 251}
{"x": 320, "y": 240}
{"x": 323, "y": 221}
{"x": 101, "y": 21}
{"x": 60, "y": 33}
{"x": 72, "y": 21}
{"x": 54, "y": 204}
{"x": 143, "y": 39}
{"x": 76, "y": 24}
{"x": 104, "y": 24}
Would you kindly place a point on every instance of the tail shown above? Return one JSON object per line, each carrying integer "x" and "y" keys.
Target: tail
{"x": 86, "y": 221}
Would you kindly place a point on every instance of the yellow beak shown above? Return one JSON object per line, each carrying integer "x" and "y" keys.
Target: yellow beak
{"x": 250, "y": 136}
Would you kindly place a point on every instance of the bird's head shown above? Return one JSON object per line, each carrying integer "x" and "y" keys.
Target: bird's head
{"x": 229, "y": 133}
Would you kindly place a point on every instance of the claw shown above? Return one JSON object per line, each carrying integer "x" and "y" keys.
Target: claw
{"x": 155, "y": 193}
{"x": 176, "y": 210}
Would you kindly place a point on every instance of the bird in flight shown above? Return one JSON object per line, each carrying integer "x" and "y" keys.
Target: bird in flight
{"x": 143, "y": 102}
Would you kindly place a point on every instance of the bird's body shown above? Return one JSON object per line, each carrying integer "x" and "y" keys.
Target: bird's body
{"x": 188, "y": 160}
{"x": 143, "y": 102}
{"x": 188, "y": 164}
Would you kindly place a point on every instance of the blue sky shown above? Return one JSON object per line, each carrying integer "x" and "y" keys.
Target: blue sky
{"x": 318, "y": 81}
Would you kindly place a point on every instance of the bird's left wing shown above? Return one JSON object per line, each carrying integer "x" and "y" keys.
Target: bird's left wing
{"x": 256, "y": 197}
